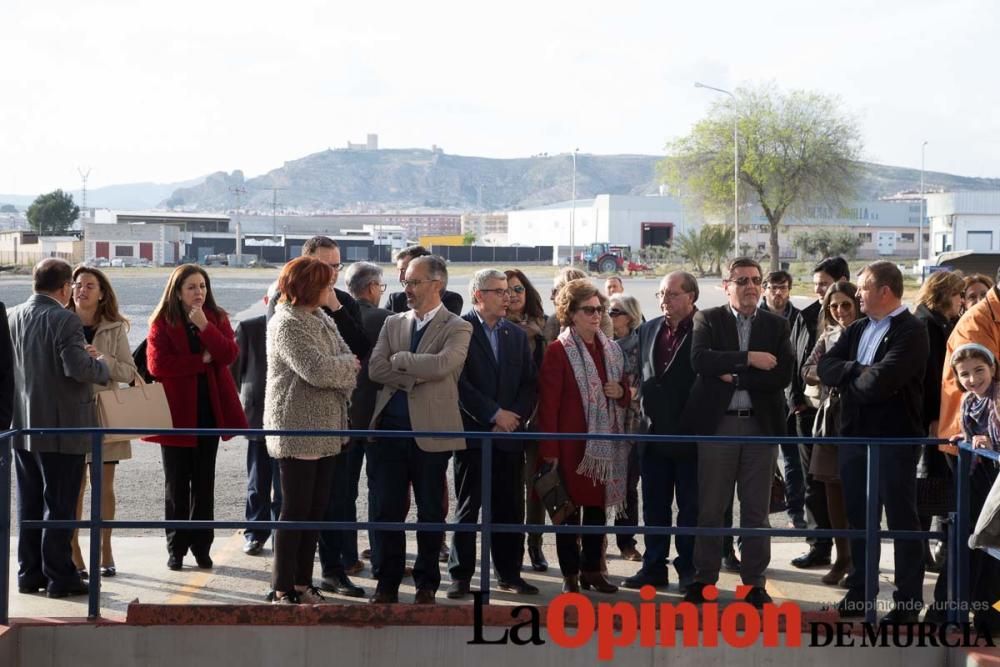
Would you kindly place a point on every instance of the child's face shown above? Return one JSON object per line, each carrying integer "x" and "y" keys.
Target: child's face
{"x": 975, "y": 375}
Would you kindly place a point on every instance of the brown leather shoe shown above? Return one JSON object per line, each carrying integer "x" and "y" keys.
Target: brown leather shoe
{"x": 384, "y": 597}
{"x": 632, "y": 554}
{"x": 424, "y": 596}
{"x": 354, "y": 569}
{"x": 571, "y": 584}
{"x": 596, "y": 581}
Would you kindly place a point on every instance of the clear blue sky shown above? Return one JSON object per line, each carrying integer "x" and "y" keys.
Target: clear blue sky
{"x": 164, "y": 91}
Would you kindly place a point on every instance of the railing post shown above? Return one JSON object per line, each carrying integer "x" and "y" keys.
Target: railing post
{"x": 486, "y": 505}
{"x": 951, "y": 565}
{"x": 961, "y": 605}
{"x": 873, "y": 525}
{"x": 96, "y": 481}
{"x": 5, "y": 467}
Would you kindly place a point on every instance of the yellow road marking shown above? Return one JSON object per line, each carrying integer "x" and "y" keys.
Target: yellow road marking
{"x": 198, "y": 580}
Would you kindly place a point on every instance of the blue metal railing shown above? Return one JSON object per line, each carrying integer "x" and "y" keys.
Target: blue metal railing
{"x": 958, "y": 562}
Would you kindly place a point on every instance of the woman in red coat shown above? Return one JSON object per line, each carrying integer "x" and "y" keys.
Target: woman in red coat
{"x": 189, "y": 349}
{"x": 581, "y": 390}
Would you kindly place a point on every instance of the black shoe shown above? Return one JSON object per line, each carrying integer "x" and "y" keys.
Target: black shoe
{"x": 424, "y": 596}
{"x": 851, "y": 606}
{"x": 898, "y": 616}
{"x": 78, "y": 588}
{"x": 812, "y": 558}
{"x": 758, "y": 597}
{"x": 518, "y": 586}
{"x": 252, "y": 547}
{"x": 695, "y": 593}
{"x": 936, "y": 615}
{"x": 204, "y": 561}
{"x": 538, "y": 562}
{"x": 458, "y": 589}
{"x": 341, "y": 584}
{"x": 27, "y": 586}
{"x": 730, "y": 563}
{"x": 175, "y": 563}
{"x": 684, "y": 582}
{"x": 288, "y": 598}
{"x": 640, "y": 579}
{"x": 384, "y": 597}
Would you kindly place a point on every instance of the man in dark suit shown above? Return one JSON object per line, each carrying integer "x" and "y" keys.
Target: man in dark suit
{"x": 496, "y": 392}
{"x": 878, "y": 364}
{"x": 668, "y": 470}
{"x": 396, "y": 302}
{"x": 6, "y": 371}
{"x": 263, "y": 478}
{"x": 338, "y": 549}
{"x": 743, "y": 358}
{"x": 52, "y": 378}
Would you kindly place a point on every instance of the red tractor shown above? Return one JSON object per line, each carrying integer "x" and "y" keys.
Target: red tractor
{"x": 606, "y": 258}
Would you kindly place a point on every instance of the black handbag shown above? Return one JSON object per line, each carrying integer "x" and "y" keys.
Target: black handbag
{"x": 778, "y": 503}
{"x": 551, "y": 491}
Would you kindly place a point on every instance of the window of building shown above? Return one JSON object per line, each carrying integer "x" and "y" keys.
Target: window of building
{"x": 124, "y": 251}
{"x": 907, "y": 238}
{"x": 866, "y": 237}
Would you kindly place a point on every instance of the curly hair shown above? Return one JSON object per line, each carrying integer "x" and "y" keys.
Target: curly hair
{"x": 939, "y": 288}
{"x": 572, "y": 294}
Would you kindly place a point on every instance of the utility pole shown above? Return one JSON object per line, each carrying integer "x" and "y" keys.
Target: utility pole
{"x": 238, "y": 191}
{"x": 84, "y": 175}
{"x": 274, "y": 211}
{"x": 920, "y": 232}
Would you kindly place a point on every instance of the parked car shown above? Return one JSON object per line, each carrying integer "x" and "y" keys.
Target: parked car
{"x": 212, "y": 260}
{"x": 97, "y": 262}
{"x": 118, "y": 262}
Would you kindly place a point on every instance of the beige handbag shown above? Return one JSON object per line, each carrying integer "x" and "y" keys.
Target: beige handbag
{"x": 140, "y": 406}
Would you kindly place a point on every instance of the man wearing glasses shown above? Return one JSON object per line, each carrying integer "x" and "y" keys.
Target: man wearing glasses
{"x": 397, "y": 300}
{"x": 497, "y": 393}
{"x": 418, "y": 360}
{"x": 743, "y": 358}
{"x": 669, "y": 470}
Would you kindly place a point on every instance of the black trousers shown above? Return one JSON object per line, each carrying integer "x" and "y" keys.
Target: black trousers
{"x": 47, "y": 487}
{"x": 572, "y": 558}
{"x": 898, "y": 495}
{"x": 508, "y": 548}
{"x": 305, "y": 491}
{"x": 189, "y": 493}
{"x": 392, "y": 465}
{"x": 263, "y": 489}
{"x": 817, "y": 513}
{"x": 631, "y": 516}
{"x": 338, "y": 549}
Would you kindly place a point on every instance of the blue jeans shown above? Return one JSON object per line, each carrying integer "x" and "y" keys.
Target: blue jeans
{"x": 663, "y": 478}
{"x": 263, "y": 489}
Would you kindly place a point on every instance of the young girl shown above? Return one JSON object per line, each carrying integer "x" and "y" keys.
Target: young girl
{"x": 976, "y": 369}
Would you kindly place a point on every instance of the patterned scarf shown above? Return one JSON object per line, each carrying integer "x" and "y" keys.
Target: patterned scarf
{"x": 604, "y": 461}
{"x": 980, "y": 415}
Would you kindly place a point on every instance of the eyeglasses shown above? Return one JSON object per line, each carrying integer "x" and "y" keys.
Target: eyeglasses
{"x": 417, "y": 283}
{"x": 336, "y": 267}
{"x": 590, "y": 311}
{"x": 670, "y": 295}
{"x": 381, "y": 287}
{"x": 743, "y": 281}
{"x": 614, "y": 312}
{"x": 517, "y": 289}
{"x": 499, "y": 291}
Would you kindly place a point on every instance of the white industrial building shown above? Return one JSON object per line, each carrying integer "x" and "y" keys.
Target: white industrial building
{"x": 965, "y": 230}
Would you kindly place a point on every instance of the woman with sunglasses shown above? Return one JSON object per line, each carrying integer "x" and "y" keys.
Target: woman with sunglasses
{"x": 626, "y": 316}
{"x": 525, "y": 310}
{"x": 583, "y": 389}
{"x": 840, "y": 308}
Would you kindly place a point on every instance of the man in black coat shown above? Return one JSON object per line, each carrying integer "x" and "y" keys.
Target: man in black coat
{"x": 878, "y": 364}
{"x": 263, "y": 479}
{"x": 396, "y": 301}
{"x": 496, "y": 392}
{"x": 6, "y": 371}
{"x": 668, "y": 470}
{"x": 338, "y": 549}
{"x": 744, "y": 361}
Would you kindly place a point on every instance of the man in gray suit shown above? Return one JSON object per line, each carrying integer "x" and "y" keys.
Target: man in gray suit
{"x": 54, "y": 371}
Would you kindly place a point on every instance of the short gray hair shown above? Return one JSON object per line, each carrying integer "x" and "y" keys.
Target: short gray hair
{"x": 436, "y": 268}
{"x": 362, "y": 274}
{"x": 481, "y": 277}
{"x": 629, "y": 305}
{"x": 688, "y": 283}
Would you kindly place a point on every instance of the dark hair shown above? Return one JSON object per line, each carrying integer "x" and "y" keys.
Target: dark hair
{"x": 744, "y": 262}
{"x": 50, "y": 274}
{"x": 169, "y": 309}
{"x": 411, "y": 252}
{"x": 886, "y": 274}
{"x": 532, "y": 300}
{"x": 303, "y": 280}
{"x": 618, "y": 278}
{"x": 107, "y": 307}
{"x": 569, "y": 297}
{"x": 778, "y": 277}
{"x": 847, "y": 288}
{"x": 964, "y": 353}
{"x": 835, "y": 267}
{"x": 974, "y": 278}
{"x": 315, "y": 243}
{"x": 937, "y": 290}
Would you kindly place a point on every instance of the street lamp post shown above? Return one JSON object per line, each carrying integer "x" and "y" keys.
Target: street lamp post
{"x": 572, "y": 218}
{"x": 920, "y": 246}
{"x": 736, "y": 165}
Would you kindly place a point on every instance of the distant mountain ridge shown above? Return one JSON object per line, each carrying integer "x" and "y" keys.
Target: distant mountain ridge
{"x": 129, "y": 196}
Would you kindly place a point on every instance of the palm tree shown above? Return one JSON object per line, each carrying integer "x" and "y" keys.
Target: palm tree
{"x": 691, "y": 246}
{"x": 718, "y": 241}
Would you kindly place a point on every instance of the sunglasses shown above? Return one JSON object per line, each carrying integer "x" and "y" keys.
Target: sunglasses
{"x": 590, "y": 311}
{"x": 517, "y": 289}
{"x": 743, "y": 281}
{"x": 614, "y": 312}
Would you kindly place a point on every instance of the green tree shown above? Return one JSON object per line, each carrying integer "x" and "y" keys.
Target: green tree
{"x": 469, "y": 238}
{"x": 718, "y": 243}
{"x": 53, "y": 213}
{"x": 794, "y": 149}
{"x": 691, "y": 246}
{"x": 828, "y": 243}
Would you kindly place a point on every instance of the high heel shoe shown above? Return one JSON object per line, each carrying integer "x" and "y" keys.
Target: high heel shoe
{"x": 596, "y": 581}
{"x": 571, "y": 584}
